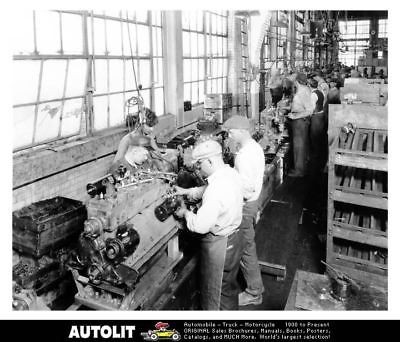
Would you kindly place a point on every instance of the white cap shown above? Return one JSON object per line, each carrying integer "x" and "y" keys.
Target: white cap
{"x": 206, "y": 149}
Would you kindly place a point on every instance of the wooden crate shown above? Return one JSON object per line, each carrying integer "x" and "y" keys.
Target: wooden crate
{"x": 47, "y": 225}
{"x": 358, "y": 192}
{"x": 367, "y": 90}
{"x": 218, "y": 101}
{"x": 220, "y": 114}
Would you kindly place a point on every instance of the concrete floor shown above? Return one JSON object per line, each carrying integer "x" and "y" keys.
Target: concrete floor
{"x": 291, "y": 233}
{"x": 281, "y": 238}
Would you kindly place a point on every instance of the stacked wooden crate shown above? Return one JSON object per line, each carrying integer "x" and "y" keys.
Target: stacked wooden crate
{"x": 219, "y": 106}
{"x": 358, "y": 192}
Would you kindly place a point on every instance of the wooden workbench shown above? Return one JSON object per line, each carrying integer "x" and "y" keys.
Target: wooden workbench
{"x": 312, "y": 292}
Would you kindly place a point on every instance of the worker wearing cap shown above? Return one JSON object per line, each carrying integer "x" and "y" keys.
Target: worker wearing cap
{"x": 318, "y": 133}
{"x": 218, "y": 220}
{"x": 250, "y": 163}
{"x": 299, "y": 119}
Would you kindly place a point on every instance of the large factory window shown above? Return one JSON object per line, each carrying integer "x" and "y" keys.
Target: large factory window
{"x": 382, "y": 28}
{"x": 50, "y": 76}
{"x": 73, "y": 71}
{"x": 217, "y": 52}
{"x": 127, "y": 53}
{"x": 205, "y": 56}
{"x": 355, "y": 36}
{"x": 299, "y": 43}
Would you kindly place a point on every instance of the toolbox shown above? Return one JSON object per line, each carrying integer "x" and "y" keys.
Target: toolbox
{"x": 42, "y": 226}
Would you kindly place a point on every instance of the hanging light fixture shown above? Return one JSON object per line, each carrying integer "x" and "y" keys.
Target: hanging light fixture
{"x": 246, "y": 14}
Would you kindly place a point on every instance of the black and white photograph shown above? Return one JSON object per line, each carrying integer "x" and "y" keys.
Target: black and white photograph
{"x": 183, "y": 159}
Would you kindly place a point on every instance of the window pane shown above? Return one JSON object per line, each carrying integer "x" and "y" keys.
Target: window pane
{"x": 72, "y": 33}
{"x": 100, "y": 108}
{"x": 22, "y": 33}
{"x": 48, "y": 32}
{"x": 214, "y": 48}
{"x": 158, "y": 71}
{"x": 77, "y": 71}
{"x": 156, "y": 18}
{"x": 186, "y": 92}
{"x": 201, "y": 69}
{"x": 187, "y": 70}
{"x": 116, "y": 75}
{"x": 71, "y": 118}
{"x": 201, "y": 91}
{"x": 25, "y": 81}
{"x": 195, "y": 69}
{"x": 214, "y": 68}
{"x": 114, "y": 40}
{"x": 193, "y": 44}
{"x": 159, "y": 101}
{"x": 213, "y": 24}
{"x": 208, "y": 90}
{"x": 143, "y": 40}
{"x": 53, "y": 79}
{"x": 200, "y": 20}
{"x": 208, "y": 21}
{"x": 48, "y": 121}
{"x": 186, "y": 44}
{"x": 129, "y": 76}
{"x": 157, "y": 42}
{"x": 186, "y": 20}
{"x": 129, "y": 46}
{"x": 116, "y": 110}
{"x": 99, "y": 37}
{"x": 200, "y": 46}
{"x": 214, "y": 85}
{"x": 226, "y": 66}
{"x": 23, "y": 125}
{"x": 146, "y": 98}
{"x": 101, "y": 76}
{"x": 195, "y": 96}
{"x": 193, "y": 20}
{"x": 145, "y": 75}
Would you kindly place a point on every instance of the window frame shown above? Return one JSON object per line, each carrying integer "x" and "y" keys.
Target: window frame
{"x": 211, "y": 60}
{"x": 86, "y": 125}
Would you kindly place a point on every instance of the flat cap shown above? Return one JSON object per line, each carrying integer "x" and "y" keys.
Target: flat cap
{"x": 301, "y": 78}
{"x": 237, "y": 122}
{"x": 206, "y": 149}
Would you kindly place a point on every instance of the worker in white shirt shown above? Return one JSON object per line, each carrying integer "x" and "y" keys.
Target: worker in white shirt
{"x": 299, "y": 120}
{"x": 250, "y": 163}
{"x": 218, "y": 219}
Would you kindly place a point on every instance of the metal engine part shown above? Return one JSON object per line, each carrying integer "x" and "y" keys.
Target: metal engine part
{"x": 97, "y": 255}
{"x": 121, "y": 238}
{"x": 26, "y": 299}
{"x": 167, "y": 208}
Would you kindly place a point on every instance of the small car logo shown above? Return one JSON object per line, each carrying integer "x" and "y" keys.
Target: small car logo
{"x": 161, "y": 332}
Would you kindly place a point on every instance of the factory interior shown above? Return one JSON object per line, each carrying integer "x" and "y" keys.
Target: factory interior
{"x": 118, "y": 118}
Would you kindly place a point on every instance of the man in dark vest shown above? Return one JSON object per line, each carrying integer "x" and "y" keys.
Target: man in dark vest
{"x": 318, "y": 133}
